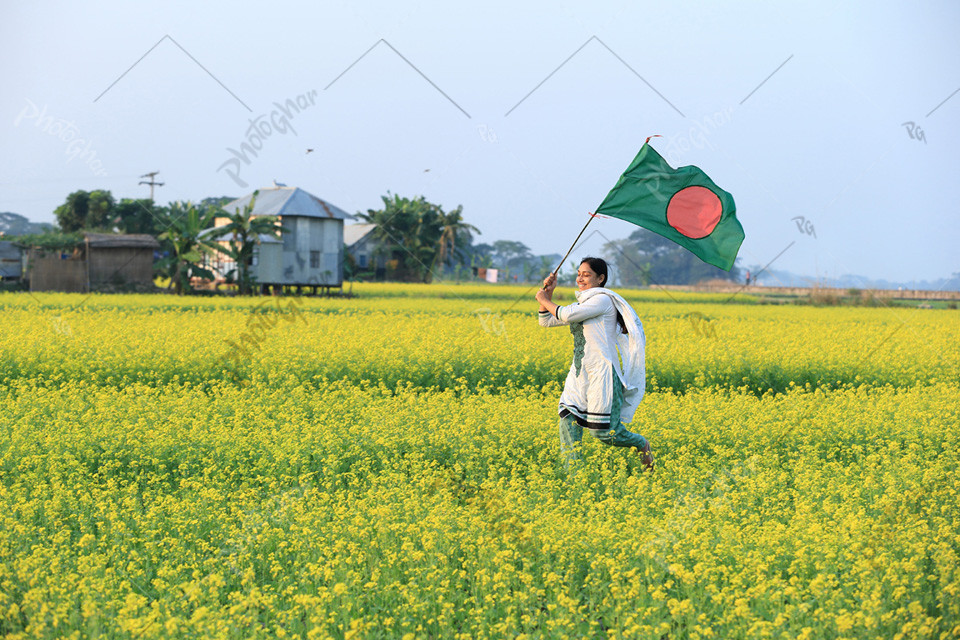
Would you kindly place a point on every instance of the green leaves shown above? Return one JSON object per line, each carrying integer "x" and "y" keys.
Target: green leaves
{"x": 185, "y": 222}
{"x": 416, "y": 236}
{"x": 86, "y": 210}
{"x": 244, "y": 231}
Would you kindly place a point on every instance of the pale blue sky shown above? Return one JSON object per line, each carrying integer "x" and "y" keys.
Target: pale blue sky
{"x": 822, "y": 138}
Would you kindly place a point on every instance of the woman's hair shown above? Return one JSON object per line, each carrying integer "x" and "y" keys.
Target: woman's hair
{"x": 599, "y": 267}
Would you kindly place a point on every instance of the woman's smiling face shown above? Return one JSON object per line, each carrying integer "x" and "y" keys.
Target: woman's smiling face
{"x": 587, "y": 277}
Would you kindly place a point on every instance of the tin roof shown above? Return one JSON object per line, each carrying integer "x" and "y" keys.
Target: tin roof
{"x": 263, "y": 238}
{"x": 354, "y": 233}
{"x": 118, "y": 240}
{"x": 288, "y": 201}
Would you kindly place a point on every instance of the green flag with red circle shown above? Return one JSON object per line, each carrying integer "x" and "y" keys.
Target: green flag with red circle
{"x": 681, "y": 204}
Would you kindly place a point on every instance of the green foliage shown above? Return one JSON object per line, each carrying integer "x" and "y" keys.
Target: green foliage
{"x": 417, "y": 237}
{"x": 630, "y": 266}
{"x": 89, "y": 210}
{"x": 139, "y": 216}
{"x": 51, "y": 241}
{"x": 184, "y": 247}
{"x": 455, "y": 238}
{"x": 86, "y": 210}
{"x": 244, "y": 232}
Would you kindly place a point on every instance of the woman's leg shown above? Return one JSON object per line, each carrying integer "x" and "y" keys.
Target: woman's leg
{"x": 571, "y": 435}
{"x": 618, "y": 435}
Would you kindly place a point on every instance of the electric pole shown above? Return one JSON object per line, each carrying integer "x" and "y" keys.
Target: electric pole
{"x": 151, "y": 182}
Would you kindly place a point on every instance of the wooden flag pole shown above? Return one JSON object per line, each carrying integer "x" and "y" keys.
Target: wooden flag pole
{"x": 592, "y": 216}
{"x": 569, "y": 251}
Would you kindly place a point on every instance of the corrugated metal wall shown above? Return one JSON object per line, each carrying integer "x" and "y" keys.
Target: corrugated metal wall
{"x": 311, "y": 235}
{"x": 10, "y": 260}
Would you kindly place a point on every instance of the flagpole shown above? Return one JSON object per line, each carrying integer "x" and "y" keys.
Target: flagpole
{"x": 569, "y": 251}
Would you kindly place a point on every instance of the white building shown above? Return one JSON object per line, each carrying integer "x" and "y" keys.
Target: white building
{"x": 358, "y": 239}
{"x": 309, "y": 253}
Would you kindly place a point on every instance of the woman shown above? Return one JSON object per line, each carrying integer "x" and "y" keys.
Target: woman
{"x": 607, "y": 377}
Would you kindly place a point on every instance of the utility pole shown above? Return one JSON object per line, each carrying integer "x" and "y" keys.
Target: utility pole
{"x": 151, "y": 182}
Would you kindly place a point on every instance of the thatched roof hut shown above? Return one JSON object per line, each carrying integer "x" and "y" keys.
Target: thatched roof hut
{"x": 102, "y": 261}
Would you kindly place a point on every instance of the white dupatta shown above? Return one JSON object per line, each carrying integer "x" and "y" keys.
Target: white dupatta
{"x": 632, "y": 347}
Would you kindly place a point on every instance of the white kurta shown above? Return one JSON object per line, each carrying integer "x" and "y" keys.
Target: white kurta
{"x": 603, "y": 357}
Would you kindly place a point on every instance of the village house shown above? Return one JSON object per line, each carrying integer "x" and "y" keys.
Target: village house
{"x": 361, "y": 246}
{"x": 10, "y": 261}
{"x": 102, "y": 262}
{"x": 309, "y": 254}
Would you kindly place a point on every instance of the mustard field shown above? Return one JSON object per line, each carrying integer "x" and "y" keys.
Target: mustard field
{"x": 388, "y": 466}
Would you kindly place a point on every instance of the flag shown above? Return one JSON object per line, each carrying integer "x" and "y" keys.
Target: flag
{"x": 681, "y": 204}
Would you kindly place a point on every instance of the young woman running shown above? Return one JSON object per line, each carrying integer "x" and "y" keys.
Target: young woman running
{"x": 607, "y": 377}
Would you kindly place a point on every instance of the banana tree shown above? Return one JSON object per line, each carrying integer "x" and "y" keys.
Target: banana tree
{"x": 184, "y": 223}
{"x": 244, "y": 230}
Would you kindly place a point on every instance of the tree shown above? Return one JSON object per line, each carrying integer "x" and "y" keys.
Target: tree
{"x": 481, "y": 255}
{"x": 244, "y": 230}
{"x": 140, "y": 215}
{"x": 453, "y": 228}
{"x": 184, "y": 223}
{"x": 651, "y": 258}
{"x": 72, "y": 215}
{"x": 410, "y": 232}
{"x": 511, "y": 254}
{"x": 86, "y": 210}
{"x": 630, "y": 266}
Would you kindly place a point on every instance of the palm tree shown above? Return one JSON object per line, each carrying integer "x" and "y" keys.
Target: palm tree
{"x": 452, "y": 227}
{"x": 244, "y": 230}
{"x": 184, "y": 223}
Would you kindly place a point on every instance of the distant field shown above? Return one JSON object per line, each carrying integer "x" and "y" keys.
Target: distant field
{"x": 387, "y": 466}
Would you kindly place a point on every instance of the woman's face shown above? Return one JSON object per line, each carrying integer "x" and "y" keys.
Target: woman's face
{"x": 587, "y": 278}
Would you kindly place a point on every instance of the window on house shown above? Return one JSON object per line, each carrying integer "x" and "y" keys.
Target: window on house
{"x": 314, "y": 259}
{"x": 363, "y": 261}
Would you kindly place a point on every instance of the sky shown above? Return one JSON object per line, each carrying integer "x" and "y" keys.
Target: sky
{"x": 836, "y": 126}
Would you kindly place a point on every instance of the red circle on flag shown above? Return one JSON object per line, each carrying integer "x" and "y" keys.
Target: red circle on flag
{"x": 694, "y": 211}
